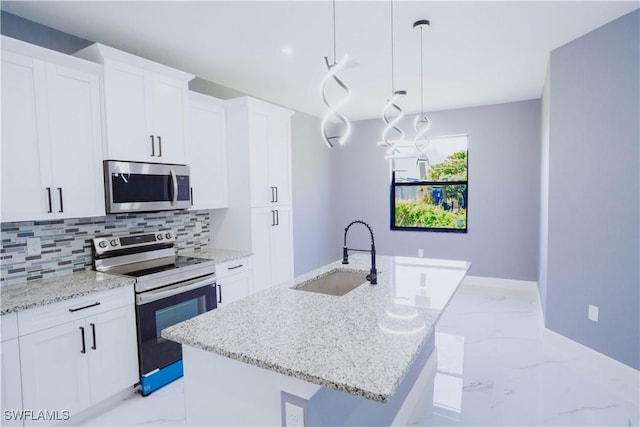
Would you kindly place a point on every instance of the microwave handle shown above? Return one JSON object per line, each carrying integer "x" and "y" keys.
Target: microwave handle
{"x": 174, "y": 180}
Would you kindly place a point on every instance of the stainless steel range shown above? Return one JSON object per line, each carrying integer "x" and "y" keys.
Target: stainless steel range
{"x": 169, "y": 289}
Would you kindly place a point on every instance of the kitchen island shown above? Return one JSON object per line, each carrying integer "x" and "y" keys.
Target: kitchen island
{"x": 287, "y": 356}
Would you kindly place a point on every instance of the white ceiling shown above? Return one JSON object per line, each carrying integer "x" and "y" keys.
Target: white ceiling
{"x": 476, "y": 53}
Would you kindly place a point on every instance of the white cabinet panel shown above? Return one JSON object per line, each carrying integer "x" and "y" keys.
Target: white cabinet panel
{"x": 11, "y": 383}
{"x": 146, "y": 107}
{"x": 272, "y": 246}
{"x": 169, "y": 108}
{"x": 281, "y": 246}
{"x": 270, "y": 169}
{"x": 112, "y": 353}
{"x": 54, "y": 369}
{"x": 233, "y": 288}
{"x": 25, "y": 167}
{"x": 234, "y": 279}
{"x": 126, "y": 113}
{"x": 51, "y": 137}
{"x": 73, "y": 101}
{"x": 207, "y": 147}
{"x": 262, "y": 193}
{"x": 279, "y": 158}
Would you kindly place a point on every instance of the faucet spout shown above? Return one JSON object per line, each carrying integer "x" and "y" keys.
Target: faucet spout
{"x": 373, "y": 273}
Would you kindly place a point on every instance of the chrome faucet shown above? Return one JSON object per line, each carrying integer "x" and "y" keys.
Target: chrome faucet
{"x": 373, "y": 274}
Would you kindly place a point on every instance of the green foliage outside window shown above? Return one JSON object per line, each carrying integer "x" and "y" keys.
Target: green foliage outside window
{"x": 434, "y": 204}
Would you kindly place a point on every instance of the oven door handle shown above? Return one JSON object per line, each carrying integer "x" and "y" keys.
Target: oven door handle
{"x": 147, "y": 297}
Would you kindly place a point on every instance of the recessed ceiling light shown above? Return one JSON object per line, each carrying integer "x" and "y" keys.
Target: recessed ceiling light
{"x": 287, "y": 51}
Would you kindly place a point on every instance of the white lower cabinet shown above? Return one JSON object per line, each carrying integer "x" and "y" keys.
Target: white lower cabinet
{"x": 113, "y": 353}
{"x": 10, "y": 365}
{"x": 234, "y": 280}
{"x": 88, "y": 353}
{"x": 54, "y": 369}
{"x": 271, "y": 242}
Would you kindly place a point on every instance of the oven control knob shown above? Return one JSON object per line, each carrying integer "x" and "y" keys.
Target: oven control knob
{"x": 168, "y": 235}
{"x": 160, "y": 236}
{"x": 114, "y": 242}
{"x": 102, "y": 244}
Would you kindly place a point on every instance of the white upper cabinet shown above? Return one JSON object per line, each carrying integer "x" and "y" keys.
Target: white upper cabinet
{"x": 51, "y": 135}
{"x": 146, "y": 107}
{"x": 207, "y": 146}
{"x": 266, "y": 128}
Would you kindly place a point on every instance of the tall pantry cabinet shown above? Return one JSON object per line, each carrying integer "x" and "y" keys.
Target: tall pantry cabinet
{"x": 259, "y": 216}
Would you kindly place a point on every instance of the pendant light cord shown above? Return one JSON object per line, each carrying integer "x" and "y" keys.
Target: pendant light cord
{"x": 334, "y": 31}
{"x": 392, "y": 74}
{"x": 421, "y": 76}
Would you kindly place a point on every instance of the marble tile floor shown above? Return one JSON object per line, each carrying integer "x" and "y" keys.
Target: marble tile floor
{"x": 496, "y": 367}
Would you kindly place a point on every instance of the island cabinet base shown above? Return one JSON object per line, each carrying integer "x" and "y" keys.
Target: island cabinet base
{"x": 222, "y": 391}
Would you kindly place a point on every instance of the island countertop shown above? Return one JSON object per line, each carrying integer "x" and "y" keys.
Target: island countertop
{"x": 362, "y": 343}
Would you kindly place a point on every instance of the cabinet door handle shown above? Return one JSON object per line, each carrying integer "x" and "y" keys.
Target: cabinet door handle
{"x": 273, "y": 197}
{"x": 82, "y": 308}
{"x": 219, "y": 294}
{"x": 159, "y": 146}
{"x": 60, "y": 194}
{"x": 276, "y": 194}
{"x": 93, "y": 334}
{"x": 277, "y": 217}
{"x": 84, "y": 348}
{"x": 153, "y": 146}
{"x": 234, "y": 267}
{"x": 49, "y": 197}
{"x": 273, "y": 218}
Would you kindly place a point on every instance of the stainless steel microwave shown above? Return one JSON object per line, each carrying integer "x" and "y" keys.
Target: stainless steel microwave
{"x": 145, "y": 187}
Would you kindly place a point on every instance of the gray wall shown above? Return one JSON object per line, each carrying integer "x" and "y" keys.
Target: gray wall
{"x": 312, "y": 216}
{"x": 34, "y": 33}
{"x": 594, "y": 184}
{"x": 544, "y": 195}
{"x": 504, "y": 190}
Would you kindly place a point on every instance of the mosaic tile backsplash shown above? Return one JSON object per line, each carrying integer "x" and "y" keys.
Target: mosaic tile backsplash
{"x": 66, "y": 244}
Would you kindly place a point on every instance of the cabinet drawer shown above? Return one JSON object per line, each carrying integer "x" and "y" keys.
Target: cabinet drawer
{"x": 37, "y": 319}
{"x": 236, "y": 266}
{"x": 9, "y": 324}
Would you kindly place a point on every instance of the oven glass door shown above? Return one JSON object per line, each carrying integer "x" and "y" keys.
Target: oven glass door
{"x": 155, "y": 352}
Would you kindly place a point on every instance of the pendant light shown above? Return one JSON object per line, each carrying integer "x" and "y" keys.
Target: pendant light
{"x": 332, "y": 110}
{"x": 392, "y": 104}
{"x": 422, "y": 123}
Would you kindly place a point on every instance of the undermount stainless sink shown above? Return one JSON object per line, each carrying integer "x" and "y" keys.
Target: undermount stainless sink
{"x": 337, "y": 282}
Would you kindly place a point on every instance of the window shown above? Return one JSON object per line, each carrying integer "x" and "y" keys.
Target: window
{"x": 430, "y": 193}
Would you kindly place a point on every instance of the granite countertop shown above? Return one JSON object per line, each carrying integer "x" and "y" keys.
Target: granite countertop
{"x": 361, "y": 343}
{"x": 36, "y": 293}
{"x": 217, "y": 255}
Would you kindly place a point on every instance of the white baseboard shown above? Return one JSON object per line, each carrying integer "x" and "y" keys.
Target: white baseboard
{"x": 495, "y": 282}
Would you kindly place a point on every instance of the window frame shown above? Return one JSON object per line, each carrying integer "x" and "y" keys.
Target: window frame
{"x": 420, "y": 183}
